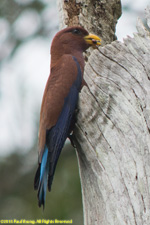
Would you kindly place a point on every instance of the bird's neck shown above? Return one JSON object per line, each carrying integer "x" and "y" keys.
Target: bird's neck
{"x": 80, "y": 59}
{"x": 55, "y": 56}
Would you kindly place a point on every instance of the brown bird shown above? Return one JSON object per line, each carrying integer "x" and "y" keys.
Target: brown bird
{"x": 60, "y": 100}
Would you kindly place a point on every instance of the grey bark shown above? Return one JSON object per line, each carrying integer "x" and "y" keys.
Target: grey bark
{"x": 99, "y": 17}
{"x": 113, "y": 131}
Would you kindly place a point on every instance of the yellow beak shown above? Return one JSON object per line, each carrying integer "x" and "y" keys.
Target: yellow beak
{"x": 92, "y": 40}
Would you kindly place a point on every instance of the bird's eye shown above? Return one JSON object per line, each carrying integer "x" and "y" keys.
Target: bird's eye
{"x": 76, "y": 31}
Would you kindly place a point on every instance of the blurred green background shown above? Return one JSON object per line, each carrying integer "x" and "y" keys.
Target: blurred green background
{"x": 18, "y": 199}
{"x": 26, "y": 31}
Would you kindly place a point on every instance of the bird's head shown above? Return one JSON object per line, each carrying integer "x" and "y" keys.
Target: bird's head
{"x": 77, "y": 38}
{"x": 72, "y": 39}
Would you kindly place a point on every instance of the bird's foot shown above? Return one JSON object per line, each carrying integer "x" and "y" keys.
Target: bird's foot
{"x": 70, "y": 136}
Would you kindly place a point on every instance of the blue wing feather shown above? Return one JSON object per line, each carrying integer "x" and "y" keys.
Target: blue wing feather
{"x": 43, "y": 178}
{"x": 56, "y": 137}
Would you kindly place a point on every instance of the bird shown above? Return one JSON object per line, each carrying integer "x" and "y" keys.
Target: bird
{"x": 60, "y": 100}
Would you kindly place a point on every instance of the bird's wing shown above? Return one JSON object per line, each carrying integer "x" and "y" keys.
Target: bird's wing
{"x": 58, "y": 100}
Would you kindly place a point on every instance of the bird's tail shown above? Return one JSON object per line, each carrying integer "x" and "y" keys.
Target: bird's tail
{"x": 40, "y": 181}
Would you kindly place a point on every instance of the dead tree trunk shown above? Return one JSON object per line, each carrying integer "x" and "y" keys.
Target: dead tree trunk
{"x": 113, "y": 128}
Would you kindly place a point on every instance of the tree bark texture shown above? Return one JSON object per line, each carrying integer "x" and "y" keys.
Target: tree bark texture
{"x": 99, "y": 17}
{"x": 113, "y": 131}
